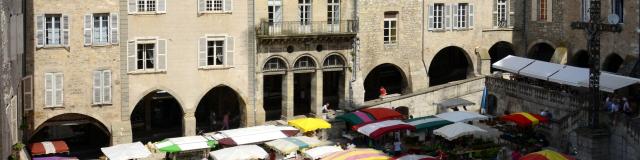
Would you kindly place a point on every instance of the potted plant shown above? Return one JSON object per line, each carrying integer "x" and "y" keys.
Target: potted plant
{"x": 15, "y": 150}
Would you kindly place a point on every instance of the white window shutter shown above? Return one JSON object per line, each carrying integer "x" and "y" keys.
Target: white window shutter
{"x": 59, "y": 88}
{"x": 161, "y": 6}
{"x": 511, "y": 20}
{"x": 495, "y": 14}
{"x": 106, "y": 87}
{"x": 471, "y": 13}
{"x": 446, "y": 17}
{"x": 430, "y": 28}
{"x": 40, "y": 30}
{"x": 549, "y": 10}
{"x": 88, "y": 29}
{"x": 131, "y": 55}
{"x": 228, "y": 5}
{"x": 97, "y": 90}
{"x": 114, "y": 28}
{"x": 161, "y": 47}
{"x": 133, "y": 6}
{"x": 534, "y": 10}
{"x": 454, "y": 9}
{"x": 65, "y": 30}
{"x": 229, "y": 50}
{"x": 48, "y": 89}
{"x": 201, "y": 6}
{"x": 202, "y": 52}
{"x": 27, "y": 91}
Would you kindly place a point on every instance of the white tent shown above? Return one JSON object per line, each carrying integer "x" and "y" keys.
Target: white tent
{"x": 541, "y": 70}
{"x": 244, "y": 152}
{"x": 460, "y": 116}
{"x": 254, "y": 134}
{"x": 126, "y": 151}
{"x": 458, "y": 129}
{"x": 322, "y": 151}
{"x": 512, "y": 64}
{"x": 610, "y": 82}
{"x": 570, "y": 75}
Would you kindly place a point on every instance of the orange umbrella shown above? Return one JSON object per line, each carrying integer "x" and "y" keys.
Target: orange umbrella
{"x": 546, "y": 155}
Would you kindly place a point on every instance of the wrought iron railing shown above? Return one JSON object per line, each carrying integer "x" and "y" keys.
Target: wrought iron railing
{"x": 292, "y": 28}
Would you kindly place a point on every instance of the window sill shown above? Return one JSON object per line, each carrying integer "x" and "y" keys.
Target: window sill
{"x": 52, "y": 46}
{"x": 145, "y": 13}
{"x": 498, "y": 29}
{"x": 463, "y": 29}
{"x": 215, "y": 68}
{"x": 101, "y": 105}
{"x": 54, "y": 108}
{"x": 438, "y": 30}
{"x": 214, "y": 12}
{"x": 145, "y": 72}
{"x": 101, "y": 45}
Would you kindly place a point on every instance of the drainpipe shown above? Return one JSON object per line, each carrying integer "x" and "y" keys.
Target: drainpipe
{"x": 356, "y": 48}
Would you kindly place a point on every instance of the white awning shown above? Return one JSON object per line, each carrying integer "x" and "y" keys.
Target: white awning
{"x": 541, "y": 70}
{"x": 570, "y": 75}
{"x": 610, "y": 82}
{"x": 126, "y": 151}
{"x": 254, "y": 134}
{"x": 512, "y": 64}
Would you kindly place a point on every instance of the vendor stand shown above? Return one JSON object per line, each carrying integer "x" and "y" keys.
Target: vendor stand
{"x": 458, "y": 129}
{"x": 377, "y": 129}
{"x": 242, "y": 152}
{"x": 546, "y": 155}
{"x": 287, "y": 147}
{"x": 358, "y": 154}
{"x": 186, "y": 146}
{"x": 460, "y": 116}
{"x": 322, "y": 151}
{"x": 126, "y": 151}
{"x": 55, "y": 158}
{"x": 414, "y": 157}
{"x": 252, "y": 135}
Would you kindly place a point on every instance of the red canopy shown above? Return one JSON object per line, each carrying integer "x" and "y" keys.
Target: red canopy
{"x": 381, "y": 114}
{"x": 48, "y": 147}
{"x": 377, "y": 129}
{"x": 525, "y": 119}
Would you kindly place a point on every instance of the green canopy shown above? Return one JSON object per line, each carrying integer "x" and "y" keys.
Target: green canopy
{"x": 429, "y": 123}
{"x": 173, "y": 145}
{"x": 357, "y": 117}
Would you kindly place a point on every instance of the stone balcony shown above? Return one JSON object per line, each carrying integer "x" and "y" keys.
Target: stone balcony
{"x": 316, "y": 30}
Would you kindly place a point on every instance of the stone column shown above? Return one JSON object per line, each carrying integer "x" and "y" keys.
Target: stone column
{"x": 484, "y": 61}
{"x": 344, "y": 89}
{"x": 259, "y": 104}
{"x": 316, "y": 93}
{"x": 121, "y": 132}
{"x": 287, "y": 95}
{"x": 189, "y": 124}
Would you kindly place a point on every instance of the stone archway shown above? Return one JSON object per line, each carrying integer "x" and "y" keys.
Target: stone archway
{"x": 541, "y": 51}
{"x": 450, "y": 64}
{"x": 500, "y": 50}
{"x": 304, "y": 77}
{"x": 157, "y": 116}
{"x": 333, "y": 81}
{"x": 273, "y": 80}
{"x": 83, "y": 134}
{"x": 387, "y": 75}
{"x": 580, "y": 59}
{"x": 612, "y": 63}
{"x": 220, "y": 103}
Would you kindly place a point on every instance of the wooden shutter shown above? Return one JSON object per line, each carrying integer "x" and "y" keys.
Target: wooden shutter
{"x": 114, "y": 28}
{"x": 59, "y": 88}
{"x": 201, "y": 6}
{"x": 228, "y": 5}
{"x": 161, "y": 48}
{"x": 65, "y": 30}
{"x": 106, "y": 87}
{"x": 131, "y": 56}
{"x": 471, "y": 12}
{"x": 133, "y": 6}
{"x": 454, "y": 9}
{"x": 40, "y": 30}
{"x": 534, "y": 10}
{"x": 446, "y": 16}
{"x": 495, "y": 14}
{"x": 161, "y": 6}
{"x": 511, "y": 20}
{"x": 202, "y": 52}
{"x": 229, "y": 50}
{"x": 88, "y": 29}
{"x": 27, "y": 92}
{"x": 97, "y": 89}
{"x": 549, "y": 10}
{"x": 48, "y": 89}
{"x": 430, "y": 28}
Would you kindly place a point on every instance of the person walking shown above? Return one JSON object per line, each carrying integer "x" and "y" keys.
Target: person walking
{"x": 225, "y": 121}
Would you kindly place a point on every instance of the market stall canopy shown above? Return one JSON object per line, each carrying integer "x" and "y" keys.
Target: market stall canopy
{"x": 461, "y": 116}
{"x": 292, "y": 144}
{"x": 377, "y": 129}
{"x": 358, "y": 154}
{"x": 414, "y": 157}
{"x": 381, "y": 114}
{"x": 251, "y": 135}
{"x": 243, "y": 152}
{"x": 546, "y": 155}
{"x": 458, "y": 129}
{"x": 356, "y": 118}
{"x": 541, "y": 70}
{"x": 512, "y": 64}
{"x": 322, "y": 151}
{"x": 525, "y": 119}
{"x": 428, "y": 123}
{"x": 48, "y": 147}
{"x": 54, "y": 158}
{"x": 189, "y": 143}
{"x": 126, "y": 151}
{"x": 309, "y": 124}
{"x": 453, "y": 102}
{"x": 570, "y": 75}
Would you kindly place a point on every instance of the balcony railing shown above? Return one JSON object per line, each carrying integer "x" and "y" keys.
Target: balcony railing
{"x": 297, "y": 28}
{"x": 524, "y": 91}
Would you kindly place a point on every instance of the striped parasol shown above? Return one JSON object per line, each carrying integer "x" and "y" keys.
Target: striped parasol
{"x": 358, "y": 154}
{"x": 546, "y": 155}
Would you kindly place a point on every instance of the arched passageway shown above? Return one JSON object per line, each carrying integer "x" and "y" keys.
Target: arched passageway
{"x": 274, "y": 71}
{"x": 157, "y": 116}
{"x": 385, "y": 75}
{"x": 304, "y": 75}
{"x": 580, "y": 59}
{"x": 500, "y": 50}
{"x": 449, "y": 64}
{"x": 219, "y": 109}
{"x": 84, "y": 135}
{"x": 542, "y": 52}
{"x": 333, "y": 77}
{"x": 612, "y": 63}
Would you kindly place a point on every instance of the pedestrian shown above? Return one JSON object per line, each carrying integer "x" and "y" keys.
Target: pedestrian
{"x": 543, "y": 113}
{"x": 383, "y": 92}
{"x": 397, "y": 147}
{"x": 225, "y": 121}
{"x": 325, "y": 110}
{"x": 625, "y": 106}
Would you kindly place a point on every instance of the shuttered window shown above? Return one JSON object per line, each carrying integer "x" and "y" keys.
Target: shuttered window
{"x": 52, "y": 30}
{"x": 147, "y": 6}
{"x": 100, "y": 29}
{"x": 102, "y": 87}
{"x": 147, "y": 55}
{"x": 215, "y": 51}
{"x": 53, "y": 89}
{"x": 437, "y": 16}
{"x": 215, "y": 6}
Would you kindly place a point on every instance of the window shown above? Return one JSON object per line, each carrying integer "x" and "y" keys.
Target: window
{"x": 333, "y": 11}
{"x": 275, "y": 64}
{"x": 53, "y": 32}
{"x": 438, "y": 16}
{"x": 100, "y": 28}
{"x": 214, "y": 5}
{"x": 617, "y": 7}
{"x": 542, "y": 10}
{"x": 146, "y": 56}
{"x": 501, "y": 13}
{"x": 390, "y": 27}
{"x": 275, "y": 11}
{"x": 462, "y": 15}
{"x": 53, "y": 89}
{"x": 305, "y": 63}
{"x": 102, "y": 87}
{"x": 586, "y": 5}
{"x": 146, "y": 5}
{"x": 215, "y": 52}
{"x": 305, "y": 11}
{"x": 151, "y": 6}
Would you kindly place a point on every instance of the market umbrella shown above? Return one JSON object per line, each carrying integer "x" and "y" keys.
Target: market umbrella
{"x": 243, "y": 152}
{"x": 414, "y": 157}
{"x": 546, "y": 155}
{"x": 48, "y": 147}
{"x": 429, "y": 122}
{"x": 309, "y": 124}
{"x": 292, "y": 144}
{"x": 460, "y": 116}
{"x": 319, "y": 152}
{"x": 173, "y": 145}
{"x": 126, "y": 151}
{"x": 252, "y": 135}
{"x": 383, "y": 113}
{"x": 357, "y": 117}
{"x": 358, "y": 154}
{"x": 458, "y": 129}
{"x": 54, "y": 158}
{"x": 377, "y": 129}
{"x": 524, "y": 119}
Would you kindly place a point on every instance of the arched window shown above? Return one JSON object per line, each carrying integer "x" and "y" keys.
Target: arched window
{"x": 275, "y": 64}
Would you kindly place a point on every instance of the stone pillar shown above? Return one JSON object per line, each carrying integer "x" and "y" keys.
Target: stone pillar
{"x": 316, "y": 93}
{"x": 592, "y": 144}
{"x": 259, "y": 118}
{"x": 287, "y": 96}
{"x": 344, "y": 89}
{"x": 484, "y": 61}
{"x": 121, "y": 132}
{"x": 189, "y": 124}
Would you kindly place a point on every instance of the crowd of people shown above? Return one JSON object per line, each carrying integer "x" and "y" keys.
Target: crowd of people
{"x": 619, "y": 105}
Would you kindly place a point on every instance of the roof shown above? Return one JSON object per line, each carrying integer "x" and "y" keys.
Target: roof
{"x": 453, "y": 102}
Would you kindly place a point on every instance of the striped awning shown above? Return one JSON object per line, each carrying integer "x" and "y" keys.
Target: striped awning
{"x": 524, "y": 119}
{"x": 377, "y": 129}
{"x": 428, "y": 123}
{"x": 292, "y": 144}
{"x": 357, "y": 117}
{"x": 48, "y": 147}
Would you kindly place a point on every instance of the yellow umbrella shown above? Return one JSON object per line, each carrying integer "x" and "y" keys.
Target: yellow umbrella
{"x": 309, "y": 124}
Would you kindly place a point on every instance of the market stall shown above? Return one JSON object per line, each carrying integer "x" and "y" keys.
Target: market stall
{"x": 356, "y": 118}
{"x": 377, "y": 129}
{"x": 358, "y": 154}
{"x": 460, "y": 116}
{"x": 242, "y": 152}
{"x": 458, "y": 129}
{"x": 546, "y": 155}
{"x": 55, "y": 158}
{"x": 186, "y": 146}
{"x": 381, "y": 114}
{"x": 126, "y": 151}
{"x": 322, "y": 151}
{"x": 525, "y": 119}
{"x": 428, "y": 123}
{"x": 309, "y": 124}
{"x": 252, "y": 135}
{"x": 414, "y": 157}
{"x": 291, "y": 144}
{"x": 48, "y": 147}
